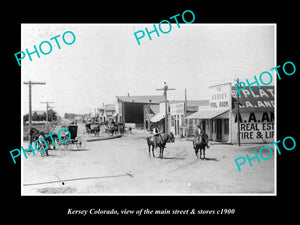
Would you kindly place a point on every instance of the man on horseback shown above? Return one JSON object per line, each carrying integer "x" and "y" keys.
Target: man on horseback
{"x": 156, "y": 133}
{"x": 199, "y": 134}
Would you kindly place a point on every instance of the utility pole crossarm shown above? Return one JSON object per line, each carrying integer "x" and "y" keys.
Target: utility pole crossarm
{"x": 165, "y": 89}
{"x": 31, "y": 82}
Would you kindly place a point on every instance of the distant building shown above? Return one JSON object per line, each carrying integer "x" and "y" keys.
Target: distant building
{"x": 80, "y": 117}
{"x": 107, "y": 112}
{"x": 136, "y": 111}
{"x": 69, "y": 116}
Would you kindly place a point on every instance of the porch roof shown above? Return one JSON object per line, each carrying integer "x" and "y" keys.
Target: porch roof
{"x": 207, "y": 113}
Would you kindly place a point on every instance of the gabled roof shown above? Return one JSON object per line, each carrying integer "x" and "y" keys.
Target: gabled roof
{"x": 108, "y": 107}
{"x": 142, "y": 98}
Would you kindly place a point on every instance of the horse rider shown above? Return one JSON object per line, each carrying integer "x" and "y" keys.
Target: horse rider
{"x": 156, "y": 133}
{"x": 199, "y": 133}
{"x": 42, "y": 144}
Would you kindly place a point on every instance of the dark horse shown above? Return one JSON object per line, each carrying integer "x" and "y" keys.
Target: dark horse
{"x": 162, "y": 139}
{"x": 199, "y": 144}
{"x": 92, "y": 128}
{"x": 112, "y": 129}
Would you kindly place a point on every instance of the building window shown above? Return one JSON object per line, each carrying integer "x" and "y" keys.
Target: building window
{"x": 226, "y": 126}
{"x": 172, "y": 121}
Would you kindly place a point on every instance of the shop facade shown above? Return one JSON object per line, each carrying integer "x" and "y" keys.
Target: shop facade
{"x": 220, "y": 119}
{"x": 178, "y": 112}
{"x": 256, "y": 117}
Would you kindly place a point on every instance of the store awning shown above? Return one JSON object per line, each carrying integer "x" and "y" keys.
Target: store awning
{"x": 207, "y": 113}
{"x": 157, "y": 117}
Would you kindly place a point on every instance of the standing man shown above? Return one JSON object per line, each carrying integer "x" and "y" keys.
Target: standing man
{"x": 198, "y": 131}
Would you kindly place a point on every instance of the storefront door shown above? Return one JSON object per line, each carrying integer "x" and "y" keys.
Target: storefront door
{"x": 219, "y": 129}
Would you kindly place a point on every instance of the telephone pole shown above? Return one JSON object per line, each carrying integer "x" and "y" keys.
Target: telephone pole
{"x": 238, "y": 115}
{"x": 165, "y": 89}
{"x": 185, "y": 103}
{"x": 52, "y": 112}
{"x": 30, "y": 83}
{"x": 47, "y": 107}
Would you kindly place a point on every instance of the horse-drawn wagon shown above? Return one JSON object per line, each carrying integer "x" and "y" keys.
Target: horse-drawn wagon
{"x": 74, "y": 142}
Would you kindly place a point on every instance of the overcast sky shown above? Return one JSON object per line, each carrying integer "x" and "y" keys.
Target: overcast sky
{"x": 106, "y": 61}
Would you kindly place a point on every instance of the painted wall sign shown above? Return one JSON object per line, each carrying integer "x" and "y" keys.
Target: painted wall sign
{"x": 220, "y": 96}
{"x": 255, "y": 126}
{"x": 259, "y": 99}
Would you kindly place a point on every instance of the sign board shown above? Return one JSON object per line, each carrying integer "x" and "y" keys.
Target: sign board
{"x": 256, "y": 126}
{"x": 177, "y": 108}
{"x": 220, "y": 96}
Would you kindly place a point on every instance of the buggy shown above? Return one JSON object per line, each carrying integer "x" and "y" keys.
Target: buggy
{"x": 75, "y": 142}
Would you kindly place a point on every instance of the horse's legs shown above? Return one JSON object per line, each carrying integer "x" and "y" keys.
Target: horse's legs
{"x": 202, "y": 152}
{"x": 196, "y": 152}
{"x": 153, "y": 151}
{"x": 149, "y": 150}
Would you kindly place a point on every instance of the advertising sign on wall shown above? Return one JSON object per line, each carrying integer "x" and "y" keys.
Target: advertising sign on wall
{"x": 220, "y": 96}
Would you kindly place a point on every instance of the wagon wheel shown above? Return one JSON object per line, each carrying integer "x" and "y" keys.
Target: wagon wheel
{"x": 80, "y": 143}
{"x": 66, "y": 146}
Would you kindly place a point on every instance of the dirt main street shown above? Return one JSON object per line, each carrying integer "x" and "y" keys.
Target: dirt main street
{"x": 123, "y": 166}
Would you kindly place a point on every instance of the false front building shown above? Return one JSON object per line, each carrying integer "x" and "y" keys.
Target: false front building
{"x": 220, "y": 119}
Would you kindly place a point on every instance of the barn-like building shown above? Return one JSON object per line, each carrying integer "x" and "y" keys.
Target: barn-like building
{"x": 135, "y": 111}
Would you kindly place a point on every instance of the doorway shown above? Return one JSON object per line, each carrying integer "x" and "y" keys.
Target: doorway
{"x": 219, "y": 129}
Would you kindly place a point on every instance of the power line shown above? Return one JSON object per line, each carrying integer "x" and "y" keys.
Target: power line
{"x": 30, "y": 83}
